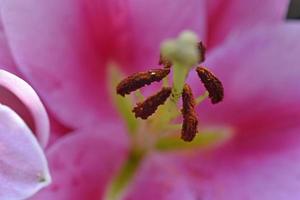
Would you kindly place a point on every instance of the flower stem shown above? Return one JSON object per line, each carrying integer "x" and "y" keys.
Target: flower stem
{"x": 117, "y": 188}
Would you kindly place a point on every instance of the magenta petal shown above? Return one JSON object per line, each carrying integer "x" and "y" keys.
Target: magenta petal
{"x": 6, "y": 60}
{"x": 260, "y": 72}
{"x": 30, "y": 99}
{"x": 82, "y": 163}
{"x": 154, "y": 21}
{"x": 160, "y": 179}
{"x": 54, "y": 47}
{"x": 233, "y": 16}
{"x": 23, "y": 169}
{"x": 263, "y": 167}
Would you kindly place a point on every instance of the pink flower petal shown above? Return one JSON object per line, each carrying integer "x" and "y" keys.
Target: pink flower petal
{"x": 154, "y": 21}
{"x": 31, "y": 100}
{"x": 23, "y": 169}
{"x": 233, "y": 16}
{"x": 159, "y": 179}
{"x": 6, "y": 60}
{"x": 74, "y": 40}
{"x": 55, "y": 48}
{"x": 82, "y": 163}
{"x": 57, "y": 130}
{"x": 263, "y": 167}
{"x": 260, "y": 72}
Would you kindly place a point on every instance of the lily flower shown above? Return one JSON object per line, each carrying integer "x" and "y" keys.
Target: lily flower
{"x": 247, "y": 146}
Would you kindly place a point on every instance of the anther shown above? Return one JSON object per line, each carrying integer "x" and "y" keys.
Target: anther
{"x": 164, "y": 61}
{"x": 212, "y": 84}
{"x": 149, "y": 106}
{"x": 140, "y": 79}
{"x": 190, "y": 122}
{"x": 202, "y": 51}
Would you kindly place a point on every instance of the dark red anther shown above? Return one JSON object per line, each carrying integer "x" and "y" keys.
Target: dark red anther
{"x": 202, "y": 51}
{"x": 149, "y": 106}
{"x": 190, "y": 122}
{"x": 140, "y": 79}
{"x": 212, "y": 84}
{"x": 163, "y": 61}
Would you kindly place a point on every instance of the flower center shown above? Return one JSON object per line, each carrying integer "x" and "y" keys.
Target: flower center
{"x": 153, "y": 121}
{"x": 182, "y": 55}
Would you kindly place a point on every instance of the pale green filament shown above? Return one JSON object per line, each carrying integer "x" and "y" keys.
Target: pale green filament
{"x": 201, "y": 98}
{"x": 139, "y": 96}
{"x": 206, "y": 138}
{"x": 166, "y": 82}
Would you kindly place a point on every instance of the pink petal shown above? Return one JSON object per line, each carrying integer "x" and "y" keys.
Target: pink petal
{"x": 233, "y": 16}
{"x": 54, "y": 46}
{"x": 260, "y": 72}
{"x": 74, "y": 40}
{"x": 31, "y": 100}
{"x": 57, "y": 130}
{"x": 6, "y": 60}
{"x": 263, "y": 167}
{"x": 154, "y": 21}
{"x": 23, "y": 169}
{"x": 159, "y": 179}
{"x": 82, "y": 163}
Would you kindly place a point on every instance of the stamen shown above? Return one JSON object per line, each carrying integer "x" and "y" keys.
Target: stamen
{"x": 190, "y": 122}
{"x": 202, "y": 51}
{"x": 212, "y": 84}
{"x": 140, "y": 79}
{"x": 149, "y": 106}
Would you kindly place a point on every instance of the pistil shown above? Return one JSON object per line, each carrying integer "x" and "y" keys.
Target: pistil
{"x": 159, "y": 111}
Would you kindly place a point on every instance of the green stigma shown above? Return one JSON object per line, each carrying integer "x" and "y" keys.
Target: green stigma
{"x": 183, "y": 50}
{"x": 183, "y": 53}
